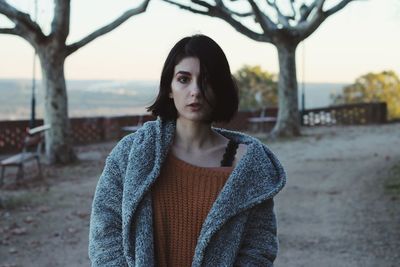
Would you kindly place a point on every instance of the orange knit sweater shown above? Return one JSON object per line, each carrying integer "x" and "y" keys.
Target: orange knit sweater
{"x": 182, "y": 197}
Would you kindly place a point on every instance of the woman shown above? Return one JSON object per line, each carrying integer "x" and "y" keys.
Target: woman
{"x": 180, "y": 192}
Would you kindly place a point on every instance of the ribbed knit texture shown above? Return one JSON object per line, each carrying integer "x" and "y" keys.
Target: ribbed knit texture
{"x": 182, "y": 197}
{"x": 239, "y": 230}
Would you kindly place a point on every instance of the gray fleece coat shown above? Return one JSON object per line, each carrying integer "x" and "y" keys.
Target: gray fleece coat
{"x": 239, "y": 230}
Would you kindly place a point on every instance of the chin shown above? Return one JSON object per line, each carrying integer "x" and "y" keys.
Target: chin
{"x": 195, "y": 118}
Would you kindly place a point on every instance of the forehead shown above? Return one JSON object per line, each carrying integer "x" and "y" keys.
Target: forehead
{"x": 188, "y": 64}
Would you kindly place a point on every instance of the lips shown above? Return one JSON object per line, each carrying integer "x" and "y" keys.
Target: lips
{"x": 195, "y": 106}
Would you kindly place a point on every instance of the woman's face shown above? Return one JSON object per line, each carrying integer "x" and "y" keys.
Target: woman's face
{"x": 186, "y": 93}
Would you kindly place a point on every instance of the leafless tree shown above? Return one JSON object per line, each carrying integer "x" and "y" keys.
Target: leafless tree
{"x": 52, "y": 51}
{"x": 284, "y": 26}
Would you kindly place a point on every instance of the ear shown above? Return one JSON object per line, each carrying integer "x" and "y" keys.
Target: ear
{"x": 170, "y": 95}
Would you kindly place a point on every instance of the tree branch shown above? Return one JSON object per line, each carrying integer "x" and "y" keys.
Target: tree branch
{"x": 203, "y": 4}
{"x": 338, "y": 7}
{"x": 266, "y": 24}
{"x": 306, "y": 28}
{"x": 124, "y": 17}
{"x": 9, "y": 31}
{"x": 220, "y": 3}
{"x": 319, "y": 5}
{"x": 243, "y": 29}
{"x": 293, "y": 9}
{"x": 24, "y": 26}
{"x": 305, "y": 11}
{"x": 242, "y": 15}
{"x": 284, "y": 20}
{"x": 61, "y": 19}
{"x": 222, "y": 12}
{"x": 188, "y": 8}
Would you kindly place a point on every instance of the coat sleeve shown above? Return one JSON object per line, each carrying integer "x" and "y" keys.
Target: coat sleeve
{"x": 105, "y": 232}
{"x": 259, "y": 245}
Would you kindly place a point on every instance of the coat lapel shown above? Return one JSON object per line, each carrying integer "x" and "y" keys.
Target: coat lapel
{"x": 149, "y": 149}
{"x": 257, "y": 177}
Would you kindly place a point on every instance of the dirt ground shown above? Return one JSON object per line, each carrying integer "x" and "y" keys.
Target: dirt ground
{"x": 340, "y": 206}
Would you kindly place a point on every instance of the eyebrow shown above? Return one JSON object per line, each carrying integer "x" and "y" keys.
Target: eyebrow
{"x": 183, "y": 72}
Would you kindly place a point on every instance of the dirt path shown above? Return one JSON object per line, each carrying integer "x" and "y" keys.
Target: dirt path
{"x": 334, "y": 210}
{"x": 49, "y": 225}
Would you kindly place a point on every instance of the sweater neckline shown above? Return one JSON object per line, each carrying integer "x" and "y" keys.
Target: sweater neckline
{"x": 187, "y": 164}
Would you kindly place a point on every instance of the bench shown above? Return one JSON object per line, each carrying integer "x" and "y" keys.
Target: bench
{"x": 262, "y": 123}
{"x": 133, "y": 128}
{"x": 31, "y": 150}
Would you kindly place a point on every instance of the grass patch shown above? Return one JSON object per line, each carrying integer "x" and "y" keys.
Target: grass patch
{"x": 15, "y": 201}
{"x": 392, "y": 183}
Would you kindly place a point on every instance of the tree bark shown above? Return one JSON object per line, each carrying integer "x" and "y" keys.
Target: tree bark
{"x": 59, "y": 147}
{"x": 52, "y": 51}
{"x": 282, "y": 30}
{"x": 288, "y": 122}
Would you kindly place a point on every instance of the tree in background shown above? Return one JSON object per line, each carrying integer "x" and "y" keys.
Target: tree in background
{"x": 257, "y": 88}
{"x": 52, "y": 51}
{"x": 284, "y": 26}
{"x": 373, "y": 87}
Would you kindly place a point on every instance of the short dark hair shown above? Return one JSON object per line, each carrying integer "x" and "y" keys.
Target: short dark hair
{"x": 214, "y": 71}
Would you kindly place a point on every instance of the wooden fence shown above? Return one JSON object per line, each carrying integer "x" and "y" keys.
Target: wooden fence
{"x": 364, "y": 113}
{"x": 94, "y": 129}
{"x": 99, "y": 129}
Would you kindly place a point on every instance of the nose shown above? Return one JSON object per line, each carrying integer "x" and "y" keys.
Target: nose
{"x": 195, "y": 90}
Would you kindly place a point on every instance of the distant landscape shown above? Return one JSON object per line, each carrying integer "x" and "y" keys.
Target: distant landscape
{"x": 113, "y": 98}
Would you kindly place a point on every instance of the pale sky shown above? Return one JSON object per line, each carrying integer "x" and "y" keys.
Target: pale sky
{"x": 363, "y": 37}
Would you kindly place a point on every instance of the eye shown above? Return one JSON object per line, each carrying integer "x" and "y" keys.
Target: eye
{"x": 183, "y": 79}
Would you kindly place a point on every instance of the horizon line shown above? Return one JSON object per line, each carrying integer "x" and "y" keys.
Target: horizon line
{"x": 149, "y": 80}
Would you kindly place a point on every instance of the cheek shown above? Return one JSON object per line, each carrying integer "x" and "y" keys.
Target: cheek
{"x": 175, "y": 98}
{"x": 175, "y": 88}
{"x": 173, "y": 95}
{"x": 179, "y": 103}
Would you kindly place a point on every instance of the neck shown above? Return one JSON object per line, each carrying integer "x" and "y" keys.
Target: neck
{"x": 194, "y": 136}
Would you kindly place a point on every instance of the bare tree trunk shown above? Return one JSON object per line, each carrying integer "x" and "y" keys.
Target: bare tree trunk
{"x": 53, "y": 50}
{"x": 284, "y": 30}
{"x": 288, "y": 123}
{"x": 59, "y": 147}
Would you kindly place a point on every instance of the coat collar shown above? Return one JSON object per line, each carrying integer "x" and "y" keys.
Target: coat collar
{"x": 257, "y": 177}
